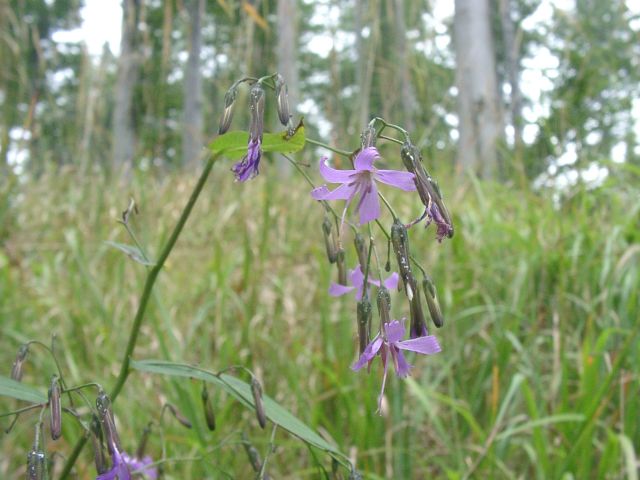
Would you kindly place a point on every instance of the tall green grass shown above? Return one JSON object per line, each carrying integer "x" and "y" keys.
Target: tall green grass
{"x": 538, "y": 377}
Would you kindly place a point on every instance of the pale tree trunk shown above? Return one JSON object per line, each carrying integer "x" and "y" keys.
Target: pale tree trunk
{"x": 366, "y": 49}
{"x": 192, "y": 131}
{"x": 124, "y": 139}
{"x": 511, "y": 48}
{"x": 478, "y": 101}
{"x": 407, "y": 94}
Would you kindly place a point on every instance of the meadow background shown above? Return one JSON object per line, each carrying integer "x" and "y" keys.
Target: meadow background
{"x": 538, "y": 377}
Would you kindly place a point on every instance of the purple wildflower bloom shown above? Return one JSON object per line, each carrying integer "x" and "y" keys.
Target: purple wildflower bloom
{"x": 362, "y": 182}
{"x": 141, "y": 466}
{"x": 357, "y": 283}
{"x": 120, "y": 470}
{"x": 391, "y": 343}
{"x": 444, "y": 229}
{"x": 247, "y": 168}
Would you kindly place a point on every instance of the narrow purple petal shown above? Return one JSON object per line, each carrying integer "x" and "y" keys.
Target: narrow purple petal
{"x": 343, "y": 192}
{"x": 391, "y": 283}
{"x": 247, "y": 168}
{"x": 402, "y": 367}
{"x": 364, "y": 160}
{"x": 332, "y": 175}
{"x": 425, "y": 345}
{"x": 369, "y": 205}
{"x": 369, "y": 353}
{"x": 337, "y": 290}
{"x": 394, "y": 331}
{"x": 402, "y": 180}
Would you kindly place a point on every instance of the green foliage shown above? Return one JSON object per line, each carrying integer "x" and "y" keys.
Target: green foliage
{"x": 20, "y": 391}
{"x": 233, "y": 145}
{"x": 539, "y": 297}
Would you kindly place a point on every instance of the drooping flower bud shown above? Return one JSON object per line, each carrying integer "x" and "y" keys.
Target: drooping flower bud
{"x": 98, "y": 449}
{"x": 252, "y": 453}
{"x": 342, "y": 267}
{"x": 282, "y": 100}
{"x": 432, "y": 301}
{"x": 256, "y": 391}
{"x": 227, "y": 113}
{"x": 21, "y": 356}
{"x": 105, "y": 414}
{"x": 363, "y": 315}
{"x": 418, "y": 322}
{"x": 361, "y": 249}
{"x": 256, "y": 109}
{"x": 384, "y": 305}
{"x": 36, "y": 465}
{"x": 184, "y": 421}
{"x": 142, "y": 444}
{"x": 429, "y": 192}
{"x": 368, "y": 137}
{"x": 329, "y": 242}
{"x": 400, "y": 241}
{"x": 209, "y": 415}
{"x": 55, "y": 408}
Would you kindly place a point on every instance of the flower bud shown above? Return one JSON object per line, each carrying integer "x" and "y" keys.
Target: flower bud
{"x": 208, "y": 408}
{"x": 432, "y": 301}
{"x": 105, "y": 414}
{"x": 16, "y": 368}
{"x": 96, "y": 443}
{"x": 142, "y": 444}
{"x": 184, "y": 421}
{"x": 400, "y": 241}
{"x": 36, "y": 465}
{"x": 342, "y": 267}
{"x": 227, "y": 113}
{"x": 418, "y": 323}
{"x": 256, "y": 391}
{"x": 364, "y": 313}
{"x": 384, "y": 304}
{"x": 252, "y": 453}
{"x": 368, "y": 137}
{"x": 256, "y": 108}
{"x": 329, "y": 244}
{"x": 361, "y": 249}
{"x": 55, "y": 408}
{"x": 282, "y": 100}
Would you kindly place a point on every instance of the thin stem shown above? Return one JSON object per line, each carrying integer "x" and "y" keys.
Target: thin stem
{"x": 324, "y": 145}
{"x": 152, "y": 275}
{"x": 388, "y": 205}
{"x": 22, "y": 410}
{"x": 391, "y": 139}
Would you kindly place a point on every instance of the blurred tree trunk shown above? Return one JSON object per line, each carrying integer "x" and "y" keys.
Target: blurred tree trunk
{"x": 124, "y": 138}
{"x": 511, "y": 49}
{"x": 478, "y": 101}
{"x": 366, "y": 59}
{"x": 192, "y": 130}
{"x": 407, "y": 94}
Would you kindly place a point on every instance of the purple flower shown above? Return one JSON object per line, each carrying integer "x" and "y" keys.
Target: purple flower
{"x": 124, "y": 465}
{"x": 247, "y": 168}
{"x": 120, "y": 470}
{"x": 141, "y": 466}
{"x": 362, "y": 182}
{"x": 444, "y": 229}
{"x": 357, "y": 281}
{"x": 391, "y": 343}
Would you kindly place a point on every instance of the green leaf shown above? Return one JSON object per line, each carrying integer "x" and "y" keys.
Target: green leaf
{"x": 21, "y": 391}
{"x": 234, "y": 144}
{"x": 132, "y": 252}
{"x": 241, "y": 391}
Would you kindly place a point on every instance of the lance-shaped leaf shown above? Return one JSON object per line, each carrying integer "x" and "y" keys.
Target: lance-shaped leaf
{"x": 241, "y": 391}
{"x": 233, "y": 145}
{"x": 21, "y": 391}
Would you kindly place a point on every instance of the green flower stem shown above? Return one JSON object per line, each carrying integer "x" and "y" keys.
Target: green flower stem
{"x": 144, "y": 300}
{"x": 324, "y": 145}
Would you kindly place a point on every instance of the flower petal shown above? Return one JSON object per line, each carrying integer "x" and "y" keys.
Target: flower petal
{"x": 391, "y": 283}
{"x": 369, "y": 353}
{"x": 343, "y": 192}
{"x": 337, "y": 290}
{"x": 394, "y": 331}
{"x": 365, "y": 158}
{"x": 332, "y": 175}
{"x": 425, "y": 345}
{"x": 402, "y": 367}
{"x": 369, "y": 205}
{"x": 402, "y": 180}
